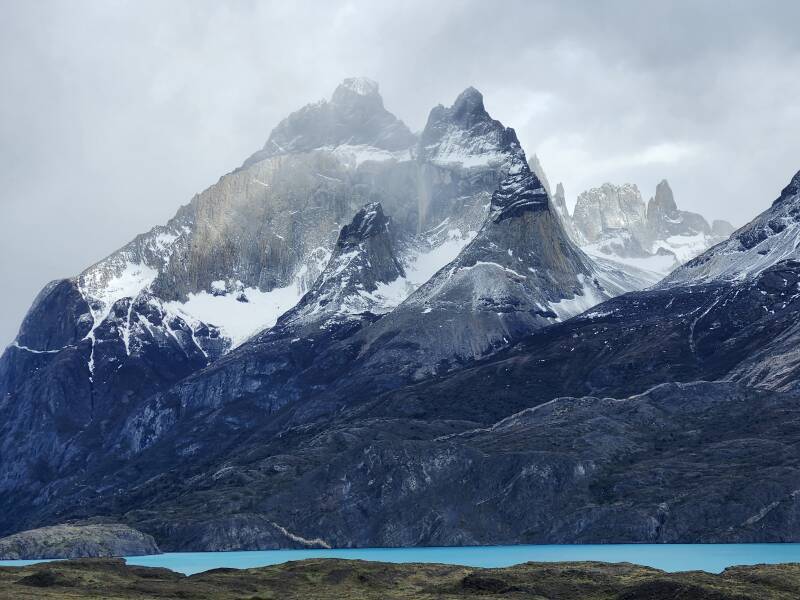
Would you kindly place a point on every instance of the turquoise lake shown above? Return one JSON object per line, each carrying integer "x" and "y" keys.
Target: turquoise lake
{"x": 668, "y": 557}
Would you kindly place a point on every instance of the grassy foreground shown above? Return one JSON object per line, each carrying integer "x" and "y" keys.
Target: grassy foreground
{"x": 112, "y": 579}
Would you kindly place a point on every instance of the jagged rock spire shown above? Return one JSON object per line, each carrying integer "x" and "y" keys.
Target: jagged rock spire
{"x": 466, "y": 134}
{"x": 362, "y": 261}
{"x": 663, "y": 203}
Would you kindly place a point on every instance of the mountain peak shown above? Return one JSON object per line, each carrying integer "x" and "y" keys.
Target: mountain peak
{"x": 465, "y": 133}
{"x": 367, "y": 222}
{"x": 469, "y": 101}
{"x": 361, "y": 265}
{"x": 357, "y": 91}
{"x": 770, "y": 238}
{"x": 354, "y": 116}
{"x": 664, "y": 200}
{"x": 361, "y": 86}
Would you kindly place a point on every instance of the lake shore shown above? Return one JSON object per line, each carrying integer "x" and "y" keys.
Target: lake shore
{"x": 323, "y": 579}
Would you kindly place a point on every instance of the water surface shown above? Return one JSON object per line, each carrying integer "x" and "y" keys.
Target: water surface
{"x": 669, "y": 557}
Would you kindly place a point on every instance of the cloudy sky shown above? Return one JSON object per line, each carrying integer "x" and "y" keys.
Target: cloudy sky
{"x": 112, "y": 114}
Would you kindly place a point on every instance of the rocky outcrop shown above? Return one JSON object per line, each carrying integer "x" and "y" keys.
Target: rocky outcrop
{"x": 77, "y": 541}
{"x": 608, "y": 209}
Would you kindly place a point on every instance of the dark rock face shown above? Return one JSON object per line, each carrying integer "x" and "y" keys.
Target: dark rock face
{"x": 77, "y": 541}
{"x": 466, "y": 134}
{"x": 59, "y": 317}
{"x": 57, "y": 405}
{"x": 680, "y": 463}
{"x": 572, "y": 470}
{"x": 370, "y": 228}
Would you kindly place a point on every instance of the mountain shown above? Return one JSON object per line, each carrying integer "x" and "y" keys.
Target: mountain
{"x": 519, "y": 273}
{"x": 615, "y": 227}
{"x": 362, "y": 281}
{"x": 366, "y": 337}
{"x": 638, "y": 420}
{"x": 240, "y": 254}
{"x": 730, "y": 314}
{"x": 645, "y": 431}
{"x": 254, "y": 297}
{"x": 665, "y": 415}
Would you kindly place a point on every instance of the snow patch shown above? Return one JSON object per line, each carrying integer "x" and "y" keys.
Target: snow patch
{"x": 239, "y": 320}
{"x": 422, "y": 264}
{"x": 568, "y": 307}
{"x": 685, "y": 247}
{"x": 355, "y": 155}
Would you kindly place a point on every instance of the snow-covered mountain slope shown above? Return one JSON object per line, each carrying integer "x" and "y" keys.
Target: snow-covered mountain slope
{"x": 362, "y": 281}
{"x": 245, "y": 250}
{"x": 771, "y": 237}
